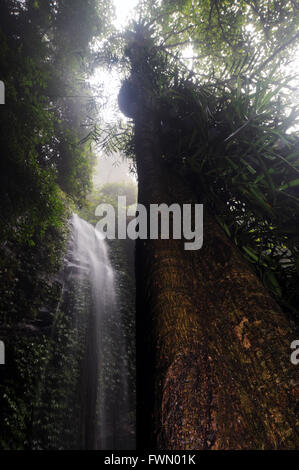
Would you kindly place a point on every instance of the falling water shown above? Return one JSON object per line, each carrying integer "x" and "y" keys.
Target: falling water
{"x": 104, "y": 409}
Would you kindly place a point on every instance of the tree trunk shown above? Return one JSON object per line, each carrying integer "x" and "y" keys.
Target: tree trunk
{"x": 213, "y": 347}
{"x": 214, "y": 368}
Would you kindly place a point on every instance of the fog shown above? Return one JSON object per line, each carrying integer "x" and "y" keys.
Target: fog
{"x": 111, "y": 169}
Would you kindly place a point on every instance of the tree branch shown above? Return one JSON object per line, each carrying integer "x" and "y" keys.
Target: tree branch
{"x": 277, "y": 51}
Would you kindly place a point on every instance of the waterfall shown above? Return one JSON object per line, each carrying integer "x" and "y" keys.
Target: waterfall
{"x": 104, "y": 378}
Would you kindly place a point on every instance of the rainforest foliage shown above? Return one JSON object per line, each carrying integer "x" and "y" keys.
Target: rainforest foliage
{"x": 45, "y": 63}
{"x": 223, "y": 83}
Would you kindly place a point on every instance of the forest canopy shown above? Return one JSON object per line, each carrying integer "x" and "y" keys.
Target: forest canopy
{"x": 224, "y": 78}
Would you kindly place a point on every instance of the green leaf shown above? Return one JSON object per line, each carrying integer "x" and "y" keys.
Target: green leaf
{"x": 260, "y": 198}
{"x": 251, "y": 253}
{"x": 249, "y": 167}
{"x": 272, "y": 282}
{"x": 291, "y": 184}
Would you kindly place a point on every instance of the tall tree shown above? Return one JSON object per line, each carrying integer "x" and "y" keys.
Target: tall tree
{"x": 212, "y": 344}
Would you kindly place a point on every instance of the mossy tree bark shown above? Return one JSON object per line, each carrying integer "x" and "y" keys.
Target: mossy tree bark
{"x": 213, "y": 347}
